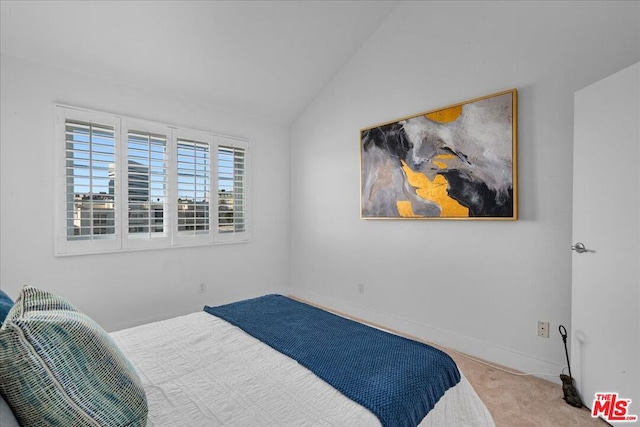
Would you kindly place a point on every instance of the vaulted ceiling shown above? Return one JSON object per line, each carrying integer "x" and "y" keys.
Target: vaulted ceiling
{"x": 267, "y": 59}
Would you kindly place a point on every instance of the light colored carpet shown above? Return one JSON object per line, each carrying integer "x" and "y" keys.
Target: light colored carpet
{"x": 516, "y": 401}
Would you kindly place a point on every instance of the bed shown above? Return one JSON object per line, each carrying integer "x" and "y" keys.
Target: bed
{"x": 208, "y": 368}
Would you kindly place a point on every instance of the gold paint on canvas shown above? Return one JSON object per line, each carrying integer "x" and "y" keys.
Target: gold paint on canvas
{"x": 443, "y": 165}
{"x": 436, "y": 191}
{"x": 445, "y": 116}
{"x": 405, "y": 210}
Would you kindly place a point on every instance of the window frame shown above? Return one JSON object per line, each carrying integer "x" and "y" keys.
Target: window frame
{"x": 124, "y": 240}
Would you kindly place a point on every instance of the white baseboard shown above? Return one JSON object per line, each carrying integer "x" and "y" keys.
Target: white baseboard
{"x": 466, "y": 345}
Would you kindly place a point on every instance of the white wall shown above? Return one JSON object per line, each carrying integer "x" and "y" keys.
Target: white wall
{"x": 120, "y": 290}
{"x": 478, "y": 286}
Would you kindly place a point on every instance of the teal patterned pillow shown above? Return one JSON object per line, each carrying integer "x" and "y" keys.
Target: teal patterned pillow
{"x": 59, "y": 368}
{"x": 5, "y": 305}
{"x": 34, "y": 299}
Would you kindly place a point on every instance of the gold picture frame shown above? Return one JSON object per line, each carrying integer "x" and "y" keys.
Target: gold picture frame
{"x": 457, "y": 162}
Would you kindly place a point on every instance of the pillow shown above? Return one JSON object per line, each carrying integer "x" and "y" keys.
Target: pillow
{"x": 34, "y": 299}
{"x": 59, "y": 368}
{"x": 5, "y": 305}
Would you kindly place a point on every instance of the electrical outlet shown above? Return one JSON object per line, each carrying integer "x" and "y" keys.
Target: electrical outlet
{"x": 543, "y": 329}
{"x": 202, "y": 288}
{"x": 361, "y": 288}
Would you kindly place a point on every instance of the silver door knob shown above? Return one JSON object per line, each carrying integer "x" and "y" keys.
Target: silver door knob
{"x": 580, "y": 248}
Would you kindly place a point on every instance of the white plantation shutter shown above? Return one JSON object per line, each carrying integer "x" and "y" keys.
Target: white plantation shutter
{"x": 128, "y": 184}
{"x": 147, "y": 186}
{"x": 231, "y": 189}
{"x": 194, "y": 185}
{"x": 90, "y": 180}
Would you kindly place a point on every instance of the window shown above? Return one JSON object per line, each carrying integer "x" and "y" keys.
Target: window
{"x": 231, "y": 189}
{"x": 90, "y": 159}
{"x": 194, "y": 182}
{"x": 147, "y": 184}
{"x": 128, "y": 184}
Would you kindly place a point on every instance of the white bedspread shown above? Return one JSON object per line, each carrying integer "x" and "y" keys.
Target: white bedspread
{"x": 200, "y": 371}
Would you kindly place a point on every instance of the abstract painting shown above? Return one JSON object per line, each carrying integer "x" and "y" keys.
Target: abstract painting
{"x": 457, "y": 162}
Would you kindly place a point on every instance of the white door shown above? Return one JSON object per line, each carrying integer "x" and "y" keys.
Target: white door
{"x": 605, "y": 319}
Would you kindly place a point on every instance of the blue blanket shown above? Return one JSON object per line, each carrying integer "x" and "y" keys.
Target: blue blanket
{"x": 397, "y": 379}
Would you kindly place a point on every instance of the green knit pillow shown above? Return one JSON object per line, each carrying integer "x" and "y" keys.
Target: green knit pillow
{"x": 59, "y": 368}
